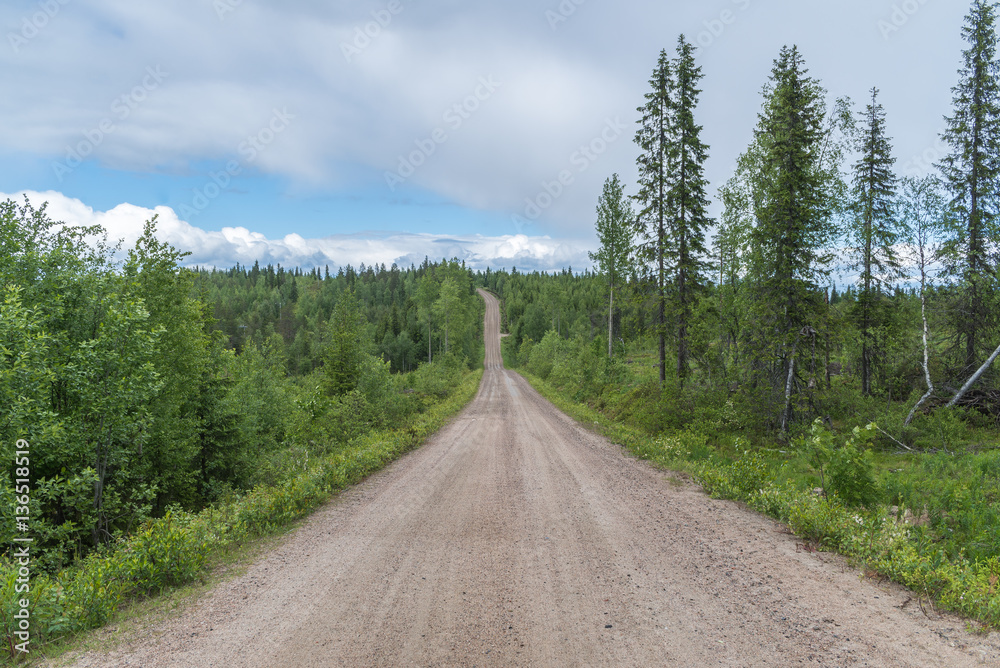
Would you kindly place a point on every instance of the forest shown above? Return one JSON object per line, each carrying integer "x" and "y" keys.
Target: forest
{"x": 827, "y": 347}
{"x": 829, "y": 287}
{"x": 147, "y": 386}
{"x": 825, "y": 351}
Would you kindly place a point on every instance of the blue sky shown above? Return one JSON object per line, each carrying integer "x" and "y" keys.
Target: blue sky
{"x": 312, "y": 132}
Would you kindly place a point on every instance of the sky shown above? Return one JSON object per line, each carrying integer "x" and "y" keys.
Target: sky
{"x": 312, "y": 133}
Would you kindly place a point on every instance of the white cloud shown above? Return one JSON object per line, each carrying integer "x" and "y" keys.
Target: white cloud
{"x": 233, "y": 245}
{"x": 354, "y": 119}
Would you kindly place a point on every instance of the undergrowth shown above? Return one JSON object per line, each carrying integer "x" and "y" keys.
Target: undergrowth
{"x": 927, "y": 520}
{"x": 173, "y": 550}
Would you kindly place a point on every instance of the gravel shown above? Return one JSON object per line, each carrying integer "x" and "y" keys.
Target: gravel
{"x": 516, "y": 538}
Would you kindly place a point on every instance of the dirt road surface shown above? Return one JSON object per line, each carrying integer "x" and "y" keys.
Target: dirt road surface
{"x": 515, "y": 538}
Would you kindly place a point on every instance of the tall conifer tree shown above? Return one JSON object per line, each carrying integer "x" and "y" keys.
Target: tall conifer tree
{"x": 687, "y": 202}
{"x": 653, "y": 139}
{"x": 971, "y": 174}
{"x": 793, "y": 208}
{"x": 873, "y": 229}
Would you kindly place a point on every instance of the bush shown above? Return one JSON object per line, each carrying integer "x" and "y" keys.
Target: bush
{"x": 172, "y": 550}
{"x": 542, "y": 356}
{"x": 439, "y": 377}
{"x": 852, "y": 476}
{"x": 848, "y": 472}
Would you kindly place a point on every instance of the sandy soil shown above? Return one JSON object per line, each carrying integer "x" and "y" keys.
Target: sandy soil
{"x": 515, "y": 538}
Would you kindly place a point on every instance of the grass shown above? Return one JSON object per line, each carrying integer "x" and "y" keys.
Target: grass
{"x": 137, "y": 616}
{"x": 929, "y": 520}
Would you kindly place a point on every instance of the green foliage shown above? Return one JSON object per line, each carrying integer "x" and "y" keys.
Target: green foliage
{"x": 616, "y": 234}
{"x": 439, "y": 377}
{"x": 183, "y": 359}
{"x": 261, "y": 408}
{"x": 852, "y": 472}
{"x": 175, "y": 548}
{"x": 872, "y": 236}
{"x": 672, "y": 196}
{"x": 136, "y": 400}
{"x": 970, "y": 173}
{"x": 346, "y": 347}
{"x": 847, "y": 473}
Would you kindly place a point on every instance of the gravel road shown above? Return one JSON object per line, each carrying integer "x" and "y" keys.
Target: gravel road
{"x": 516, "y": 538}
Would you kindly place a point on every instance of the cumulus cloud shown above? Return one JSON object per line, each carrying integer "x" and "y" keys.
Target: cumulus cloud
{"x": 231, "y": 245}
{"x": 354, "y": 117}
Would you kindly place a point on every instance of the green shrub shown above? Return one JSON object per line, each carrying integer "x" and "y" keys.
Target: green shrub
{"x": 173, "y": 549}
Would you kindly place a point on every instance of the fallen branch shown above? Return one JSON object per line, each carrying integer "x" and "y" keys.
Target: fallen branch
{"x": 969, "y": 383}
{"x": 891, "y": 438}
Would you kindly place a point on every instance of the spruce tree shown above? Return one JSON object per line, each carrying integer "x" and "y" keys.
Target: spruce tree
{"x": 672, "y": 196}
{"x": 793, "y": 207}
{"x": 970, "y": 174}
{"x": 346, "y": 347}
{"x": 653, "y": 139}
{"x": 686, "y": 199}
{"x": 873, "y": 229}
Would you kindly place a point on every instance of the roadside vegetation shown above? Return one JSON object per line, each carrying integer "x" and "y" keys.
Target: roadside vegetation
{"x": 828, "y": 356}
{"x": 170, "y": 412}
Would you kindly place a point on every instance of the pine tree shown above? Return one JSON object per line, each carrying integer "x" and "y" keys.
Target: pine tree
{"x": 686, "y": 197}
{"x": 873, "y": 229}
{"x": 614, "y": 229}
{"x": 653, "y": 138}
{"x": 971, "y": 173}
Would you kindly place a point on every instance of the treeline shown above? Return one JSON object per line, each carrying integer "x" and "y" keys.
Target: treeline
{"x": 136, "y": 398}
{"x": 751, "y": 317}
{"x": 412, "y": 320}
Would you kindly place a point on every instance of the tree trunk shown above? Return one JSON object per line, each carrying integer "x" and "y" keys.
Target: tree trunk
{"x": 661, "y": 311}
{"x": 682, "y": 353}
{"x": 611, "y": 310}
{"x": 787, "y": 413}
{"x": 927, "y": 368}
{"x": 826, "y": 342}
{"x": 972, "y": 381}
